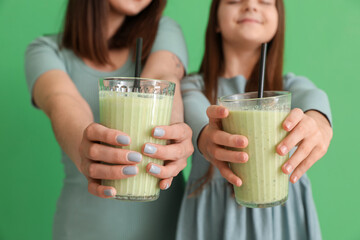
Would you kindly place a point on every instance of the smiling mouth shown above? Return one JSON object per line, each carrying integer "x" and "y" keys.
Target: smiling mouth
{"x": 249, "y": 20}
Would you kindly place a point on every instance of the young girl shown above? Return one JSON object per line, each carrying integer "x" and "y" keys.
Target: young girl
{"x": 62, "y": 73}
{"x": 235, "y": 32}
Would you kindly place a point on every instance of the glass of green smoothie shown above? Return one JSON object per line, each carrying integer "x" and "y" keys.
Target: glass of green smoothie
{"x": 136, "y": 112}
{"x": 260, "y": 120}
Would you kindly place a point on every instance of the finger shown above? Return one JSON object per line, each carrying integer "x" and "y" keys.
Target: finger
{"x": 229, "y": 140}
{"x": 291, "y": 140}
{"x": 174, "y": 151}
{"x": 293, "y": 119}
{"x": 104, "y": 171}
{"x": 215, "y": 114}
{"x": 100, "y": 152}
{"x": 223, "y": 154}
{"x": 165, "y": 183}
{"x": 300, "y": 154}
{"x": 178, "y": 132}
{"x": 171, "y": 169}
{"x": 314, "y": 156}
{"x": 99, "y": 190}
{"x": 98, "y": 133}
{"x": 227, "y": 173}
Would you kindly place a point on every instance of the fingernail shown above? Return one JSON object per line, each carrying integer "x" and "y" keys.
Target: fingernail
{"x": 134, "y": 157}
{"x": 295, "y": 179}
{"x": 130, "y": 170}
{"x": 108, "y": 192}
{"x": 159, "y": 132}
{"x": 154, "y": 169}
{"x": 283, "y": 149}
{"x": 287, "y": 167}
{"x": 167, "y": 186}
{"x": 123, "y": 139}
{"x": 238, "y": 183}
{"x": 150, "y": 149}
{"x": 287, "y": 125}
{"x": 245, "y": 157}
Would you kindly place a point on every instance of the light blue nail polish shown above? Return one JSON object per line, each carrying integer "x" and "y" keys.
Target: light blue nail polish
{"x": 123, "y": 139}
{"x": 159, "y": 132}
{"x": 150, "y": 149}
{"x": 167, "y": 186}
{"x": 134, "y": 157}
{"x": 130, "y": 170}
{"x": 108, "y": 192}
{"x": 154, "y": 169}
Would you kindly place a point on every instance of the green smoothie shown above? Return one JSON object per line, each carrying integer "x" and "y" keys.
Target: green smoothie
{"x": 136, "y": 114}
{"x": 264, "y": 184}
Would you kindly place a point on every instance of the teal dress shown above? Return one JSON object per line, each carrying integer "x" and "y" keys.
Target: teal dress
{"x": 80, "y": 215}
{"x": 213, "y": 214}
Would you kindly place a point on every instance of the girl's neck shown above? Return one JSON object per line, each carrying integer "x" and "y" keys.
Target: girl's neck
{"x": 240, "y": 60}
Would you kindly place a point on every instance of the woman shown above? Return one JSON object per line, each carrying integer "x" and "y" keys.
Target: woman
{"x": 63, "y": 72}
{"x": 235, "y": 32}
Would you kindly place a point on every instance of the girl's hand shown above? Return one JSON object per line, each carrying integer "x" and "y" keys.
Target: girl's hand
{"x": 92, "y": 153}
{"x": 312, "y": 133}
{"x": 175, "y": 154}
{"x": 212, "y": 141}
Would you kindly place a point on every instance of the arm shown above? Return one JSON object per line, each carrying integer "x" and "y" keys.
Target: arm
{"x": 73, "y": 126}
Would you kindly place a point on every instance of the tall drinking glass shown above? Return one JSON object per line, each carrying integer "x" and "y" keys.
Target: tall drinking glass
{"x": 136, "y": 113}
{"x": 260, "y": 120}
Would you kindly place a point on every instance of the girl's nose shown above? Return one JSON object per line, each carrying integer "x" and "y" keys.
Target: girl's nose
{"x": 250, "y": 6}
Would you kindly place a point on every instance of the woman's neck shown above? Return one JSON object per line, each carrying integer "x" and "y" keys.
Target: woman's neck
{"x": 115, "y": 21}
{"x": 240, "y": 60}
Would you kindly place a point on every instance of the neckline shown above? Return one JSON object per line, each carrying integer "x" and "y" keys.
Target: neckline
{"x": 126, "y": 66}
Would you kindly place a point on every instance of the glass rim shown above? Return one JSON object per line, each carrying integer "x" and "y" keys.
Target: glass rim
{"x": 227, "y": 99}
{"x": 135, "y": 78}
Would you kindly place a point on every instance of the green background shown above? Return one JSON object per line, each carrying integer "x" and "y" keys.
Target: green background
{"x": 322, "y": 43}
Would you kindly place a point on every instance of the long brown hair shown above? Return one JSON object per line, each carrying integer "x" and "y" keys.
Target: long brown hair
{"x": 85, "y": 30}
{"x": 213, "y": 64}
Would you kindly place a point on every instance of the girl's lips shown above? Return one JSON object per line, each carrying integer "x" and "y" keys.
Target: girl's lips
{"x": 249, "y": 20}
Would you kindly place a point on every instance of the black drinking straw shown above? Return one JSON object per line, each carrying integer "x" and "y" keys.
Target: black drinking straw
{"x": 262, "y": 70}
{"x": 139, "y": 42}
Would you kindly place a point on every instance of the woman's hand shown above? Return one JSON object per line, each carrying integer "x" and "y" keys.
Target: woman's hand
{"x": 212, "y": 141}
{"x": 175, "y": 154}
{"x": 93, "y": 153}
{"x": 312, "y": 133}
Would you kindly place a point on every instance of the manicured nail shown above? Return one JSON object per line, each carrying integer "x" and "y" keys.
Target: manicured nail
{"x": 287, "y": 125}
{"x": 287, "y": 167}
{"x": 109, "y": 192}
{"x": 295, "y": 179}
{"x": 134, "y": 157}
{"x": 150, "y": 149}
{"x": 154, "y": 169}
{"x": 283, "y": 149}
{"x": 159, "y": 132}
{"x": 123, "y": 139}
{"x": 167, "y": 186}
{"x": 130, "y": 170}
